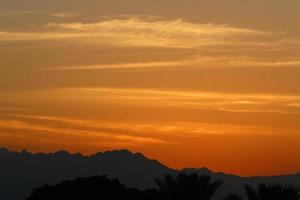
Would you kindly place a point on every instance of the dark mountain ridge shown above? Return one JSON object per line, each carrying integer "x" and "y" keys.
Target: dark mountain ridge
{"x": 22, "y": 171}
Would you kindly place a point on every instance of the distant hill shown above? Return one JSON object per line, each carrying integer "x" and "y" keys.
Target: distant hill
{"x": 20, "y": 172}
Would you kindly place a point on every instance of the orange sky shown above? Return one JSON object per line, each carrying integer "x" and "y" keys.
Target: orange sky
{"x": 191, "y": 83}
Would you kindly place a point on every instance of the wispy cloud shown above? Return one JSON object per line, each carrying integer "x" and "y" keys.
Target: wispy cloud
{"x": 154, "y": 32}
{"x": 58, "y": 14}
{"x": 104, "y": 134}
{"x": 160, "y": 130}
{"x": 230, "y": 102}
{"x": 132, "y": 127}
{"x": 63, "y": 14}
{"x": 114, "y": 66}
{"x": 135, "y": 31}
{"x": 23, "y": 12}
{"x": 193, "y": 61}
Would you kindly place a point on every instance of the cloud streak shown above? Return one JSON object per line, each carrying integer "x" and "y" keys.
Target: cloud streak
{"x": 20, "y": 125}
{"x": 43, "y": 13}
{"x": 204, "y": 40}
{"x": 196, "y": 100}
{"x": 133, "y": 127}
{"x": 193, "y": 61}
{"x": 160, "y": 130}
{"x": 149, "y": 31}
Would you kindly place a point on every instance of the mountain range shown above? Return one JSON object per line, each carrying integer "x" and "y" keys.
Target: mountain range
{"x": 20, "y": 172}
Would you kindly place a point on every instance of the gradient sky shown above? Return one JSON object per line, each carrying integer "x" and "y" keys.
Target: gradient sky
{"x": 192, "y": 83}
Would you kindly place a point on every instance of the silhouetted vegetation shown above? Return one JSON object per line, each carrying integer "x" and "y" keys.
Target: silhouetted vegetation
{"x": 182, "y": 186}
{"x": 272, "y": 192}
{"x": 188, "y": 186}
{"x": 92, "y": 188}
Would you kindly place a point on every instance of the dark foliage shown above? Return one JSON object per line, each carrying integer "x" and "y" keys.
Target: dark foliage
{"x": 187, "y": 186}
{"x": 182, "y": 186}
{"x": 272, "y": 192}
{"x": 92, "y": 188}
{"x": 179, "y": 187}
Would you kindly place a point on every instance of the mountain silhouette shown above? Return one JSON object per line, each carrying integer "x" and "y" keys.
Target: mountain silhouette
{"x": 23, "y": 171}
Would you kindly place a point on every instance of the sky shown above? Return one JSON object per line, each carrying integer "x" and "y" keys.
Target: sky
{"x": 191, "y": 83}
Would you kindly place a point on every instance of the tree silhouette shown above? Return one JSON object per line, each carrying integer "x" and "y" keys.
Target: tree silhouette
{"x": 187, "y": 186}
{"x": 182, "y": 186}
{"x": 92, "y": 188}
{"x": 233, "y": 197}
{"x": 272, "y": 192}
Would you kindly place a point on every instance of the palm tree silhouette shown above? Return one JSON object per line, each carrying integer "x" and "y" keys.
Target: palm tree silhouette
{"x": 272, "y": 192}
{"x": 187, "y": 186}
